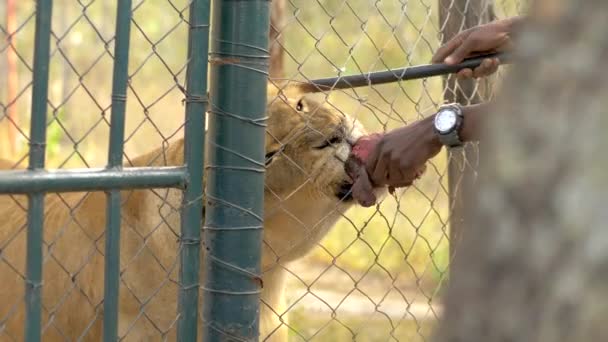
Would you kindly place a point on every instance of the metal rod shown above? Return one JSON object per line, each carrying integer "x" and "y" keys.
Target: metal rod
{"x": 394, "y": 75}
{"x": 35, "y": 213}
{"x": 194, "y": 138}
{"x": 235, "y": 183}
{"x": 40, "y": 181}
{"x": 113, "y": 199}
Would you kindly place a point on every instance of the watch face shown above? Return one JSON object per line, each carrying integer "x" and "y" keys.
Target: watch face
{"x": 445, "y": 120}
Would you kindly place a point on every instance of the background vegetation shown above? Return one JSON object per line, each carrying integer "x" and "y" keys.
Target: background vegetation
{"x": 383, "y": 265}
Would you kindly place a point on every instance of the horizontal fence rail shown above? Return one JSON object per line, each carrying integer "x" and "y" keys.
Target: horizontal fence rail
{"x": 23, "y": 182}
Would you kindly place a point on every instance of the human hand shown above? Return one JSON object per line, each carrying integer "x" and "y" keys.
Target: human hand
{"x": 479, "y": 40}
{"x": 400, "y": 156}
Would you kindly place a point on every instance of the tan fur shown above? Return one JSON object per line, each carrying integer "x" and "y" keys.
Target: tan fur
{"x": 300, "y": 207}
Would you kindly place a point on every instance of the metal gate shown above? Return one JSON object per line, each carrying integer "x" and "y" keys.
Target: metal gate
{"x": 238, "y": 61}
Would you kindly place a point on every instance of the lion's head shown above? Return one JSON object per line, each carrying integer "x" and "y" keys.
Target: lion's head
{"x": 307, "y": 145}
{"x": 307, "y": 187}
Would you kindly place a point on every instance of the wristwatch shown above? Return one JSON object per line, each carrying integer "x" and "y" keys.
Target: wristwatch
{"x": 448, "y": 121}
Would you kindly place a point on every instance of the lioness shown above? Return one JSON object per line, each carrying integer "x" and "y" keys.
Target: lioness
{"x": 307, "y": 190}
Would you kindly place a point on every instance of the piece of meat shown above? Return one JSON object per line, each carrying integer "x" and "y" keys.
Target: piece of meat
{"x": 364, "y": 146}
{"x": 362, "y": 189}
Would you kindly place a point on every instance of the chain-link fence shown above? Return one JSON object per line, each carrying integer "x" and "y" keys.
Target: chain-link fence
{"x": 372, "y": 274}
{"x": 84, "y": 266}
{"x": 379, "y": 273}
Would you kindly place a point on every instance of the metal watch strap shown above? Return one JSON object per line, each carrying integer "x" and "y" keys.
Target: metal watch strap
{"x": 452, "y": 138}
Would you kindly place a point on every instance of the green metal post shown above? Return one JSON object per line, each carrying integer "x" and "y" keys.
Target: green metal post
{"x": 117, "y": 132}
{"x": 235, "y": 180}
{"x": 35, "y": 214}
{"x": 192, "y": 207}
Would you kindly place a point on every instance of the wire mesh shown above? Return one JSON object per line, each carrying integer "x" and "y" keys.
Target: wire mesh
{"x": 379, "y": 274}
{"x": 372, "y": 275}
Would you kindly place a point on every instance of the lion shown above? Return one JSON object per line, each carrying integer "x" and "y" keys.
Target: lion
{"x": 306, "y": 191}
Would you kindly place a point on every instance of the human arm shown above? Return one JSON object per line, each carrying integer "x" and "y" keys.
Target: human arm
{"x": 401, "y": 155}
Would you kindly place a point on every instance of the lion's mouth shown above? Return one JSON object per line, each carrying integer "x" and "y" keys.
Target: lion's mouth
{"x": 345, "y": 193}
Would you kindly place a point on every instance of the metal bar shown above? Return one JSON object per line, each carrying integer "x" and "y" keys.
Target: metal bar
{"x": 35, "y": 214}
{"x": 119, "y": 82}
{"x": 235, "y": 183}
{"x": 194, "y": 138}
{"x": 24, "y": 182}
{"x": 394, "y": 75}
{"x": 113, "y": 199}
{"x": 111, "y": 267}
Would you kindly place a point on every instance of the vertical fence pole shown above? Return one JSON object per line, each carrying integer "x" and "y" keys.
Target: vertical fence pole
{"x": 235, "y": 179}
{"x": 35, "y": 213}
{"x": 117, "y": 132}
{"x": 456, "y": 16}
{"x": 192, "y": 206}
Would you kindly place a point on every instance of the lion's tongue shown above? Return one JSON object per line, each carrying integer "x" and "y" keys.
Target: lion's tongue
{"x": 355, "y": 167}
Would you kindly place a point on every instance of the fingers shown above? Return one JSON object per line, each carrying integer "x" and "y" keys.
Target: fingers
{"x": 362, "y": 190}
{"x": 462, "y": 51}
{"x": 464, "y": 74}
{"x": 408, "y": 181}
{"x": 421, "y": 171}
{"x": 372, "y": 162}
{"x": 379, "y": 175}
{"x": 395, "y": 174}
{"x": 488, "y": 67}
{"x": 447, "y": 48}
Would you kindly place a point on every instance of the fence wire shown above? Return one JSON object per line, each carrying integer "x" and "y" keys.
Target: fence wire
{"x": 348, "y": 273}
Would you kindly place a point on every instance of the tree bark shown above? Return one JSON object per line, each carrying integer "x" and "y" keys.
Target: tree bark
{"x": 533, "y": 264}
{"x": 277, "y": 22}
{"x": 456, "y": 16}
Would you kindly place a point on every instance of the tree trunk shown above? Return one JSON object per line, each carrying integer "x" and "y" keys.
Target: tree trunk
{"x": 277, "y": 22}
{"x": 533, "y": 265}
{"x": 456, "y": 16}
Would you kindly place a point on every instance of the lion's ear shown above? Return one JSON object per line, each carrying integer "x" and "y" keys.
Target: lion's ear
{"x": 275, "y": 90}
{"x": 289, "y": 89}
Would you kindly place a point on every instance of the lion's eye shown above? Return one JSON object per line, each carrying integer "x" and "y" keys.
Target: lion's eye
{"x": 269, "y": 157}
{"x": 299, "y": 106}
{"x": 330, "y": 142}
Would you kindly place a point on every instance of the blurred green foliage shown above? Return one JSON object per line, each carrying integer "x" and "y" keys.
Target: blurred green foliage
{"x": 401, "y": 244}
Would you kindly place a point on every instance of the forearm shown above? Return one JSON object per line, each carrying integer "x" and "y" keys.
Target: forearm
{"x": 473, "y": 120}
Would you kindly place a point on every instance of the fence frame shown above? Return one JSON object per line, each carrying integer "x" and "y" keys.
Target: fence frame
{"x": 235, "y": 183}
{"x": 35, "y": 213}
{"x": 36, "y": 181}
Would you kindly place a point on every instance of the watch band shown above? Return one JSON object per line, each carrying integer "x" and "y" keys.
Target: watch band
{"x": 452, "y": 138}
